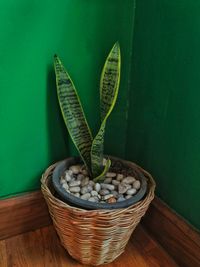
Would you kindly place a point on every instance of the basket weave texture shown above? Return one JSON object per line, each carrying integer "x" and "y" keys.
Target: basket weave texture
{"x": 95, "y": 237}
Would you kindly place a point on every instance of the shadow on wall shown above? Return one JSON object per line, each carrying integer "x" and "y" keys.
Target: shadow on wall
{"x": 58, "y": 145}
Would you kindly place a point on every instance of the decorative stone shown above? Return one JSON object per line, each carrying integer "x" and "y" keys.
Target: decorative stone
{"x": 62, "y": 180}
{"x": 97, "y": 187}
{"x": 89, "y": 187}
{"x": 107, "y": 180}
{"x": 69, "y": 172}
{"x": 75, "y": 169}
{"x": 107, "y": 196}
{"x": 77, "y": 194}
{"x": 131, "y": 191}
{"x": 75, "y": 189}
{"x": 112, "y": 200}
{"x": 115, "y": 182}
{"x": 115, "y": 193}
{"x": 111, "y": 174}
{"x": 93, "y": 199}
{"x": 136, "y": 184}
{"x": 128, "y": 196}
{"x": 74, "y": 183}
{"x": 120, "y": 199}
{"x": 122, "y": 188}
{"x": 104, "y": 192}
{"x": 86, "y": 196}
{"x": 65, "y": 186}
{"x": 128, "y": 180}
{"x": 85, "y": 181}
{"x": 108, "y": 186}
{"x": 91, "y": 183}
{"x": 73, "y": 179}
{"x": 80, "y": 177}
{"x": 84, "y": 190}
{"x": 94, "y": 193}
{"x": 120, "y": 177}
{"x": 68, "y": 177}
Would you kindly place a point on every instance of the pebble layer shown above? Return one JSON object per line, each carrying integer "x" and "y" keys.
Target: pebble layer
{"x": 115, "y": 188}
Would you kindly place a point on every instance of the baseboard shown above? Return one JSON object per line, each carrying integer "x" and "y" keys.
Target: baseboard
{"x": 177, "y": 237}
{"x": 22, "y": 214}
{"x": 29, "y": 212}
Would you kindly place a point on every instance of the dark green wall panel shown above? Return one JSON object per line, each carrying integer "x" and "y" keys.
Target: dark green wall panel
{"x": 164, "y": 114}
{"x": 32, "y": 133}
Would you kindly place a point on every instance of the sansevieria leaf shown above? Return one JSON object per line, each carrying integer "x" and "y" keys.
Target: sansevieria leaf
{"x": 72, "y": 112}
{"x": 109, "y": 86}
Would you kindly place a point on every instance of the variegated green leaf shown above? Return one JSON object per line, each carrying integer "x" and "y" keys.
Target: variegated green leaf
{"x": 101, "y": 177}
{"x": 109, "y": 86}
{"x": 109, "y": 83}
{"x": 72, "y": 112}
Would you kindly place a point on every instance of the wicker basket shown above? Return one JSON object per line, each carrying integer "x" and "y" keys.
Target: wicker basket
{"x": 95, "y": 237}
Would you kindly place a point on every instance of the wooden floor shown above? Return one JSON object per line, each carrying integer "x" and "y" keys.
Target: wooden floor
{"x": 41, "y": 248}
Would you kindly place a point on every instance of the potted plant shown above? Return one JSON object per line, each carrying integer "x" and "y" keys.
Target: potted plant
{"x": 95, "y": 200}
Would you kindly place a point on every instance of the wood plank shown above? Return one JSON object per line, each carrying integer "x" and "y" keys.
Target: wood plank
{"x": 3, "y": 254}
{"x": 42, "y": 248}
{"x": 179, "y": 238}
{"x": 151, "y": 250}
{"x": 23, "y": 213}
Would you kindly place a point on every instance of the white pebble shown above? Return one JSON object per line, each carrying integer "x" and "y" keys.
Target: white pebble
{"x": 91, "y": 183}
{"x": 89, "y": 188}
{"x": 136, "y": 184}
{"x": 93, "y": 199}
{"x": 85, "y": 181}
{"x": 62, "y": 181}
{"x": 97, "y": 187}
{"x": 114, "y": 193}
{"x": 107, "y": 180}
{"x": 84, "y": 190}
{"x": 94, "y": 193}
{"x": 111, "y": 174}
{"x": 86, "y": 196}
{"x": 128, "y": 180}
{"x": 131, "y": 191}
{"x": 108, "y": 186}
{"x": 128, "y": 196}
{"x": 115, "y": 182}
{"x": 65, "y": 186}
{"x": 80, "y": 177}
{"x": 68, "y": 177}
{"x": 104, "y": 192}
{"x": 74, "y": 183}
{"x": 120, "y": 199}
{"x": 69, "y": 172}
{"x": 122, "y": 188}
{"x": 107, "y": 196}
{"x": 75, "y": 168}
{"x": 77, "y": 194}
{"x": 75, "y": 189}
{"x": 119, "y": 177}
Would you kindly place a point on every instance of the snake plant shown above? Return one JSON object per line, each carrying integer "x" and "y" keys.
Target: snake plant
{"x": 89, "y": 148}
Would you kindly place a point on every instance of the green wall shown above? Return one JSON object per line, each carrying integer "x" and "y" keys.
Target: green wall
{"x": 164, "y": 115}
{"x": 32, "y": 133}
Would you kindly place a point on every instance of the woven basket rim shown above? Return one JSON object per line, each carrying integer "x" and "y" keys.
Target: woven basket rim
{"x": 139, "y": 204}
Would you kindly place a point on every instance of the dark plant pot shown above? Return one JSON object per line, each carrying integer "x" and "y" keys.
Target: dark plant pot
{"x": 117, "y": 165}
